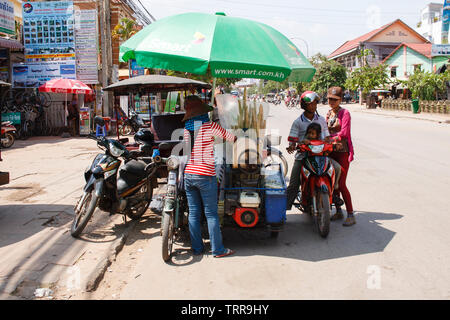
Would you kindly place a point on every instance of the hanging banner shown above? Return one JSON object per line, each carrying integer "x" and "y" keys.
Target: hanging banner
{"x": 48, "y": 31}
{"x": 35, "y": 74}
{"x": 86, "y": 46}
{"x": 7, "y": 24}
{"x": 445, "y": 21}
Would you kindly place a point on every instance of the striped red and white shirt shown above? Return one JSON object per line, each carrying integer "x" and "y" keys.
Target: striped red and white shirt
{"x": 201, "y": 161}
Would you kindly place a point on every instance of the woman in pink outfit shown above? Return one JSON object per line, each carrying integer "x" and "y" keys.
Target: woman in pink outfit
{"x": 339, "y": 124}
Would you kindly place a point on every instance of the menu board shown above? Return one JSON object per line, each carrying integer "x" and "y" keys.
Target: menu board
{"x": 48, "y": 31}
{"x": 7, "y": 24}
{"x": 86, "y": 47}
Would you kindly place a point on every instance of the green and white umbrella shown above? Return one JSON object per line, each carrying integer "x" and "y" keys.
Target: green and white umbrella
{"x": 230, "y": 47}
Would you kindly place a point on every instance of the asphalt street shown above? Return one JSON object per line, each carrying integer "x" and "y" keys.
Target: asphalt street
{"x": 397, "y": 250}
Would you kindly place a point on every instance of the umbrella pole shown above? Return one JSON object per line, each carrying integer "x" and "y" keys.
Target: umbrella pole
{"x": 65, "y": 111}
{"x": 117, "y": 117}
{"x": 213, "y": 91}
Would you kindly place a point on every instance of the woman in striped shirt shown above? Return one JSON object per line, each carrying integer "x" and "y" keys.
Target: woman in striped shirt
{"x": 200, "y": 176}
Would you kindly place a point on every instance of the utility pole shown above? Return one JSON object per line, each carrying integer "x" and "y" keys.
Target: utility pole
{"x": 106, "y": 48}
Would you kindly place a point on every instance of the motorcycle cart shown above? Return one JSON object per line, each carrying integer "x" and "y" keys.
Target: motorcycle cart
{"x": 252, "y": 188}
{"x": 163, "y": 122}
{"x": 4, "y": 176}
{"x": 376, "y": 97}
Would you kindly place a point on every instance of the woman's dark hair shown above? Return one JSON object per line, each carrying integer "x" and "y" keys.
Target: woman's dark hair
{"x": 316, "y": 127}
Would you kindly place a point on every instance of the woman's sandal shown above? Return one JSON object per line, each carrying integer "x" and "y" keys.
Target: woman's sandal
{"x": 349, "y": 221}
{"x": 226, "y": 253}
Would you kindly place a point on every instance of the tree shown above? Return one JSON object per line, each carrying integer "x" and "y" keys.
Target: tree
{"x": 329, "y": 73}
{"x": 124, "y": 30}
{"x": 427, "y": 85}
{"x": 367, "y": 78}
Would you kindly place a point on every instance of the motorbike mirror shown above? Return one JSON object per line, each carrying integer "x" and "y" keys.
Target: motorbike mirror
{"x": 273, "y": 140}
{"x": 99, "y": 121}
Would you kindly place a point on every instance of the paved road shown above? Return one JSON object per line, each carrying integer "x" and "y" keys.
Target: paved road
{"x": 397, "y": 250}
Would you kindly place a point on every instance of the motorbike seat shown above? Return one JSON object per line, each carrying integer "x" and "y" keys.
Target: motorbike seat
{"x": 134, "y": 167}
{"x": 130, "y": 174}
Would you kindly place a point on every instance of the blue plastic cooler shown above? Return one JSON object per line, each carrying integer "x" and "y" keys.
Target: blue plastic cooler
{"x": 275, "y": 197}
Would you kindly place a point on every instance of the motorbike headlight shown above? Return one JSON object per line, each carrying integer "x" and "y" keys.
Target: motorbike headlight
{"x": 115, "y": 150}
{"x": 306, "y": 172}
{"x": 317, "y": 149}
{"x": 173, "y": 163}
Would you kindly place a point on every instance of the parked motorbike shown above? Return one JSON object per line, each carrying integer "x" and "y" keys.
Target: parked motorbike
{"x": 318, "y": 179}
{"x": 175, "y": 212}
{"x": 132, "y": 124}
{"x": 8, "y": 134}
{"x": 113, "y": 188}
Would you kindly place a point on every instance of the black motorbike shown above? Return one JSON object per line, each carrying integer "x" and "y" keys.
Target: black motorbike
{"x": 132, "y": 124}
{"x": 113, "y": 188}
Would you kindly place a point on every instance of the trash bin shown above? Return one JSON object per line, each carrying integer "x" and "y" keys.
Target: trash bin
{"x": 415, "y": 105}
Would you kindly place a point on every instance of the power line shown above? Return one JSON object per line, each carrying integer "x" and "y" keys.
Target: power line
{"x": 147, "y": 10}
{"x": 305, "y": 8}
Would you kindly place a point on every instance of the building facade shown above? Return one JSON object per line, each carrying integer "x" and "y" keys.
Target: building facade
{"x": 430, "y": 24}
{"x": 408, "y": 58}
{"x": 383, "y": 41}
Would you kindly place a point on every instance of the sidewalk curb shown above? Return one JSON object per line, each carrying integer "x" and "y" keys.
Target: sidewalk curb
{"x": 107, "y": 259}
{"x": 404, "y": 116}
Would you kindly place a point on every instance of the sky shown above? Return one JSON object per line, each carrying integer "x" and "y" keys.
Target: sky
{"x": 314, "y": 26}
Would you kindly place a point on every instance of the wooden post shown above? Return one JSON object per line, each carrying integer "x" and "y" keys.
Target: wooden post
{"x": 105, "y": 26}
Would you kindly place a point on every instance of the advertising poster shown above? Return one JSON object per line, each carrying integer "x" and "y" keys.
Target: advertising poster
{"x": 34, "y": 74}
{"x": 136, "y": 70}
{"x": 86, "y": 47}
{"x": 445, "y": 21}
{"x": 7, "y": 17}
{"x": 48, "y": 31}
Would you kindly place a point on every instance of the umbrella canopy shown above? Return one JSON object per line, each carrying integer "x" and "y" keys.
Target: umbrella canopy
{"x": 156, "y": 83}
{"x": 61, "y": 85}
{"x": 230, "y": 47}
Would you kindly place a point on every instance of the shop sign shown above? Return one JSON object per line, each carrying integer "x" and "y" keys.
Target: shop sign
{"x": 86, "y": 46}
{"x": 35, "y": 74}
{"x": 14, "y": 117}
{"x": 48, "y": 31}
{"x": 7, "y": 24}
{"x": 440, "y": 50}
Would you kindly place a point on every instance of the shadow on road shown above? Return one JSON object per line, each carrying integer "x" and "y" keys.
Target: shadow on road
{"x": 36, "y": 246}
{"x": 300, "y": 241}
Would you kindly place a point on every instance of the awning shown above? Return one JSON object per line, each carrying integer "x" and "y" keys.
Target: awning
{"x": 10, "y": 43}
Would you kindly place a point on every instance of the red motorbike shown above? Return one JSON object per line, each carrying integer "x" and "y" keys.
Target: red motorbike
{"x": 318, "y": 179}
{"x": 8, "y": 134}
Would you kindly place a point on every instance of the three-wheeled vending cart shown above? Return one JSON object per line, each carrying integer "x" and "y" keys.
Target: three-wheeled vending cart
{"x": 252, "y": 191}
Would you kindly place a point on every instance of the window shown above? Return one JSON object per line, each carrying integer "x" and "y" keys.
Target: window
{"x": 393, "y": 72}
{"x": 417, "y": 67}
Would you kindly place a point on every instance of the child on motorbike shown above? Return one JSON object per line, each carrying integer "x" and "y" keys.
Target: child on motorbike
{"x": 313, "y": 132}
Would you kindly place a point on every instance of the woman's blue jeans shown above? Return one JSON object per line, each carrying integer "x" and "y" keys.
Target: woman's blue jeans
{"x": 203, "y": 189}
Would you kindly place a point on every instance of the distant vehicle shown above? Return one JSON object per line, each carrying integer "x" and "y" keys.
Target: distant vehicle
{"x": 375, "y": 98}
{"x": 235, "y": 93}
{"x": 270, "y": 97}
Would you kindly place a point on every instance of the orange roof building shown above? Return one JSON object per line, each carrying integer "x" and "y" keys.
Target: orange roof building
{"x": 383, "y": 41}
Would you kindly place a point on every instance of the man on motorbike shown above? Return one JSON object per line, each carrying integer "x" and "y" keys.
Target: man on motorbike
{"x": 308, "y": 101}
